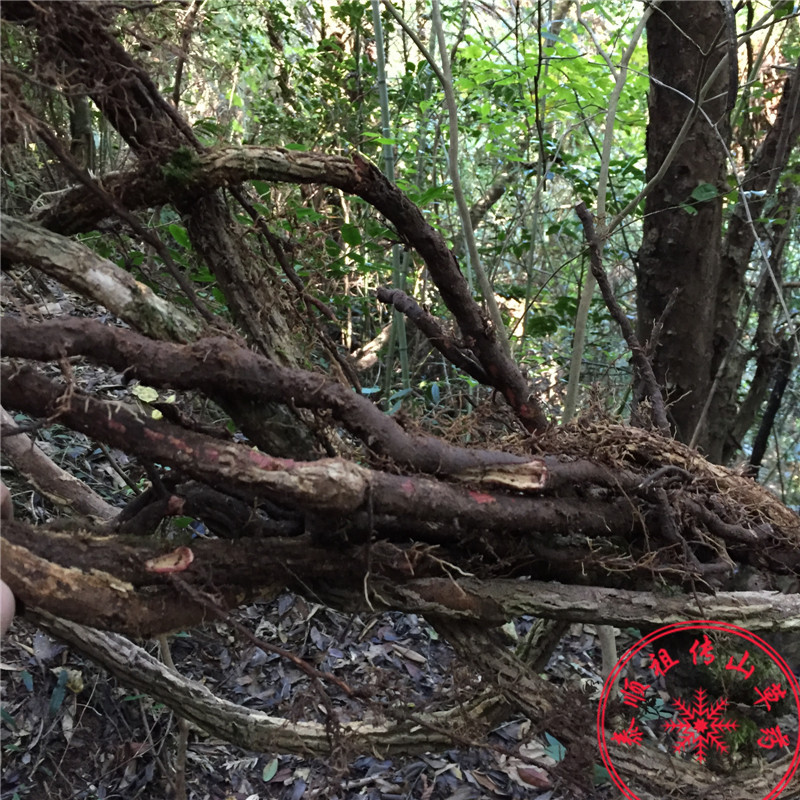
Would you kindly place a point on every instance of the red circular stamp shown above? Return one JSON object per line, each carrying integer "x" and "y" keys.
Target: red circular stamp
{"x": 699, "y": 722}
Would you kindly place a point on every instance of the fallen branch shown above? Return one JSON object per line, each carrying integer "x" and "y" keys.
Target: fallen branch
{"x": 78, "y": 267}
{"x": 255, "y": 730}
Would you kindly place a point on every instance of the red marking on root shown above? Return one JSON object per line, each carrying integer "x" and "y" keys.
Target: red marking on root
{"x": 268, "y": 462}
{"x": 408, "y": 487}
{"x": 210, "y": 454}
{"x": 481, "y": 497}
{"x": 175, "y": 505}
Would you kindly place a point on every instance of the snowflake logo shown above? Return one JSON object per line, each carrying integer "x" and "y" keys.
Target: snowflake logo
{"x": 701, "y": 725}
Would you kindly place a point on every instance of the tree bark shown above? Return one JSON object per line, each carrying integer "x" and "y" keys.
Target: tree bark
{"x": 78, "y": 36}
{"x": 681, "y": 248}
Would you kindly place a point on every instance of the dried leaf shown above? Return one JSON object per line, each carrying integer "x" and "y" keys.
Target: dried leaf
{"x": 534, "y": 777}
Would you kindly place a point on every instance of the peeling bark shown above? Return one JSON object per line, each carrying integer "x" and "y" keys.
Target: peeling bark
{"x": 97, "y": 278}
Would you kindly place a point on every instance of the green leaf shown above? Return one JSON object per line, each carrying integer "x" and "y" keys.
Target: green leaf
{"x": 59, "y": 693}
{"x": 145, "y": 393}
{"x": 566, "y": 307}
{"x": 541, "y": 325}
{"x": 443, "y": 192}
{"x": 376, "y": 138}
{"x": 270, "y": 770}
{"x": 309, "y": 214}
{"x": 351, "y": 234}
{"x": 178, "y": 233}
{"x": 704, "y": 192}
{"x": 472, "y": 51}
{"x": 554, "y": 748}
{"x": 690, "y": 210}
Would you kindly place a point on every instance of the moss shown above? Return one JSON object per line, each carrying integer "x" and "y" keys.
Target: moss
{"x": 182, "y": 169}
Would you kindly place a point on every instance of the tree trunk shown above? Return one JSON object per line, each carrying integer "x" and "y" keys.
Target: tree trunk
{"x": 78, "y": 36}
{"x": 682, "y": 236}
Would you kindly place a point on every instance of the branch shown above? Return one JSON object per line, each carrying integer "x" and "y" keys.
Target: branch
{"x": 355, "y": 175}
{"x": 581, "y": 318}
{"x": 253, "y": 730}
{"x": 481, "y": 207}
{"x": 430, "y": 327}
{"x": 656, "y": 772}
{"x": 785, "y": 363}
{"x": 761, "y": 610}
{"x": 49, "y": 479}
{"x": 486, "y": 490}
{"x": 458, "y": 192}
{"x": 226, "y": 371}
{"x": 493, "y": 494}
{"x": 78, "y": 267}
{"x": 640, "y": 360}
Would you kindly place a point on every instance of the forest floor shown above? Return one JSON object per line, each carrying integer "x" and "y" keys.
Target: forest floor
{"x": 70, "y": 731}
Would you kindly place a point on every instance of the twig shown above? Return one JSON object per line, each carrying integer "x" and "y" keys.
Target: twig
{"x": 660, "y": 473}
{"x": 183, "y": 728}
{"x": 83, "y": 177}
{"x": 620, "y": 76}
{"x": 640, "y": 360}
{"x": 187, "y": 29}
{"x": 429, "y": 325}
{"x": 658, "y": 325}
{"x": 414, "y": 38}
{"x": 461, "y": 202}
{"x": 118, "y": 469}
{"x": 279, "y": 251}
